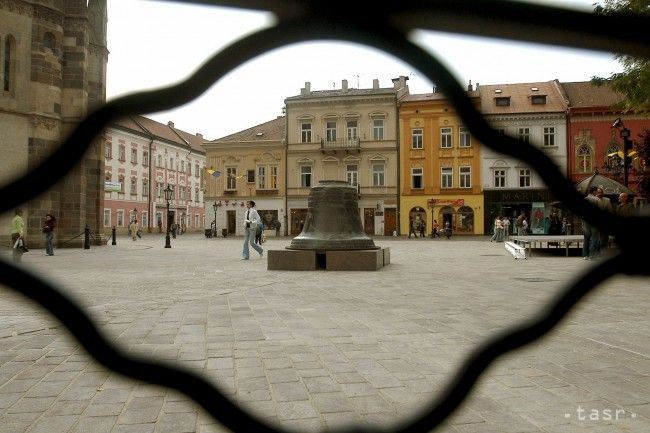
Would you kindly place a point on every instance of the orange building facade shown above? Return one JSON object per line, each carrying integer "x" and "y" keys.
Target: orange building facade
{"x": 440, "y": 166}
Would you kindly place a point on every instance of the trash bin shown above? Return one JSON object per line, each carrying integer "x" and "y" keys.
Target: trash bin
{"x": 208, "y": 233}
{"x": 224, "y": 232}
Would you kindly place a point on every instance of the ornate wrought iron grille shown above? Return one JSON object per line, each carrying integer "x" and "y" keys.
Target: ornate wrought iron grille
{"x": 385, "y": 28}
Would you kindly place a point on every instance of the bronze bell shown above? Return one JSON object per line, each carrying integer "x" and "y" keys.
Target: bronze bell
{"x": 333, "y": 221}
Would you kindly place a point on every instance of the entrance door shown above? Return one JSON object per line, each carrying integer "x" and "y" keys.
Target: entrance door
{"x": 232, "y": 221}
{"x": 390, "y": 221}
{"x": 369, "y": 220}
{"x": 298, "y": 217}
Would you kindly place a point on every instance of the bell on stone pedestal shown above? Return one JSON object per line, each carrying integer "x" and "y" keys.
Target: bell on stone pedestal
{"x": 333, "y": 221}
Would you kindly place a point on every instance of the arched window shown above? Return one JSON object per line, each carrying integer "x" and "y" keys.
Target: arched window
{"x": 465, "y": 219}
{"x": 584, "y": 159}
{"x": 49, "y": 41}
{"x": 612, "y": 157}
{"x": 8, "y": 71}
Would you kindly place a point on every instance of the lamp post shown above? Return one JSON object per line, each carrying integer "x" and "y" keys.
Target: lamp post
{"x": 627, "y": 145}
{"x": 168, "y": 196}
{"x": 215, "y": 206}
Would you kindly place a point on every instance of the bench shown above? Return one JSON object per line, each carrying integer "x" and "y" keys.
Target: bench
{"x": 517, "y": 251}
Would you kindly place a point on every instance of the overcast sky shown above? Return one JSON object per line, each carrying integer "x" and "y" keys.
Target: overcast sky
{"x": 154, "y": 44}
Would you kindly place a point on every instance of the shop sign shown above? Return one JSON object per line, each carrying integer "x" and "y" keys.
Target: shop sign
{"x": 112, "y": 186}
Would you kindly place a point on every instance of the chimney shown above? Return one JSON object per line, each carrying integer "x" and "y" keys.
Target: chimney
{"x": 306, "y": 90}
{"x": 170, "y": 124}
{"x": 375, "y": 84}
{"x": 344, "y": 85}
{"x": 469, "y": 86}
{"x": 199, "y": 135}
{"x": 476, "y": 87}
{"x": 399, "y": 84}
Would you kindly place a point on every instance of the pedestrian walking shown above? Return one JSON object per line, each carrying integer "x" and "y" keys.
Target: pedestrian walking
{"x": 251, "y": 220}
{"x": 48, "y": 229}
{"x": 435, "y": 229}
{"x": 413, "y": 227}
{"x": 625, "y": 208}
{"x": 17, "y": 233}
{"x": 591, "y": 237}
{"x": 448, "y": 229}
{"x": 133, "y": 229}
{"x": 423, "y": 228}
{"x": 505, "y": 223}
{"x": 498, "y": 230}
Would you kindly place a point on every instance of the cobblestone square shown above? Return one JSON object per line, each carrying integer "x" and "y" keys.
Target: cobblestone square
{"x": 321, "y": 350}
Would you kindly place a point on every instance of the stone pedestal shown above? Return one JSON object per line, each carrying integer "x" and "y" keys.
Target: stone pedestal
{"x": 331, "y": 260}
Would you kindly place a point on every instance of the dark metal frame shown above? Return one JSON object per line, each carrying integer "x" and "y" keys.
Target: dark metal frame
{"x": 385, "y": 28}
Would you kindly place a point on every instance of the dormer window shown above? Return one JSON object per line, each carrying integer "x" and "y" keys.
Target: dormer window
{"x": 502, "y": 101}
{"x": 538, "y": 99}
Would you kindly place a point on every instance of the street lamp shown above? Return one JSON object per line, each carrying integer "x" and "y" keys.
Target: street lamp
{"x": 168, "y": 196}
{"x": 627, "y": 145}
{"x": 215, "y": 206}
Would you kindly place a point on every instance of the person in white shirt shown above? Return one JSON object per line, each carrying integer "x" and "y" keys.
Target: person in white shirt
{"x": 251, "y": 220}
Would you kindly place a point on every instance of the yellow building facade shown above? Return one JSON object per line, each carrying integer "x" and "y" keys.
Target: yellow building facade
{"x": 440, "y": 167}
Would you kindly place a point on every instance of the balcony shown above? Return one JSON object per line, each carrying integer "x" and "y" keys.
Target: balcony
{"x": 346, "y": 144}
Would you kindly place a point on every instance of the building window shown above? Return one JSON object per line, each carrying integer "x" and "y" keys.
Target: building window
{"x": 330, "y": 131}
{"x": 417, "y": 136}
{"x": 250, "y": 176}
{"x": 108, "y": 150}
{"x": 196, "y": 195}
{"x": 8, "y": 65}
{"x": 305, "y": 176}
{"x": 231, "y": 178}
{"x": 549, "y": 136}
{"x": 49, "y": 41}
{"x": 378, "y": 174}
{"x": 145, "y": 187}
{"x": 378, "y": 129}
{"x": 499, "y": 178}
{"x": 172, "y": 165}
{"x": 465, "y": 177}
{"x": 159, "y": 161}
{"x": 159, "y": 219}
{"x": 352, "y": 174}
{"x": 173, "y": 188}
{"x": 416, "y": 178}
{"x": 181, "y": 193}
{"x": 182, "y": 166}
{"x": 196, "y": 170}
{"x": 524, "y": 177}
{"x": 134, "y": 156}
{"x": 538, "y": 99}
{"x": 273, "y": 177}
{"x": 197, "y": 220}
{"x": 159, "y": 189}
{"x": 305, "y": 133}
{"x": 189, "y": 169}
{"x": 145, "y": 219}
{"x": 465, "y": 139}
{"x": 524, "y": 134}
{"x": 445, "y": 137}
{"x": 133, "y": 215}
{"x": 120, "y": 218}
{"x": 261, "y": 177}
{"x": 107, "y": 217}
{"x": 352, "y": 131}
{"x": 584, "y": 159}
{"x": 107, "y": 177}
{"x": 446, "y": 177}
{"x": 502, "y": 101}
{"x": 145, "y": 159}
{"x": 122, "y": 156}
{"x": 134, "y": 186}
{"x": 120, "y": 179}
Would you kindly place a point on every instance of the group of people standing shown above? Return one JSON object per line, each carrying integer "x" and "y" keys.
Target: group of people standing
{"x": 501, "y": 229}
{"x": 19, "y": 246}
{"x": 595, "y": 240}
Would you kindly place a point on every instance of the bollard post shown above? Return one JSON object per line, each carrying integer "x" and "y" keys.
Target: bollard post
{"x": 87, "y": 238}
{"x": 113, "y": 234}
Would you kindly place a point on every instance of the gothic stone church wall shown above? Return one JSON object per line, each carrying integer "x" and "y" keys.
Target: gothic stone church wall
{"x": 55, "y": 74}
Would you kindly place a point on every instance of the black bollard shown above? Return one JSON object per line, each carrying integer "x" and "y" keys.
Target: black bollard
{"x": 86, "y": 238}
{"x": 113, "y": 234}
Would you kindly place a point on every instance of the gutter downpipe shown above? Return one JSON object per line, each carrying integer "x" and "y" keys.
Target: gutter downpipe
{"x": 398, "y": 145}
{"x": 286, "y": 168}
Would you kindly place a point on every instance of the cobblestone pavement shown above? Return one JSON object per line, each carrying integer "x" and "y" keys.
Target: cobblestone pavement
{"x": 320, "y": 350}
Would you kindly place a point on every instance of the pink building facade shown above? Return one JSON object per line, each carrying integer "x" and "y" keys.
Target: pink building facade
{"x": 143, "y": 157}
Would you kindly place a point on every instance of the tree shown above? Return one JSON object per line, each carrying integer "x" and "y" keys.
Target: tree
{"x": 634, "y": 82}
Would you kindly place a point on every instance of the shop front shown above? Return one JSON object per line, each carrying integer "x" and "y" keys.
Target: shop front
{"x": 536, "y": 205}
{"x": 462, "y": 213}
